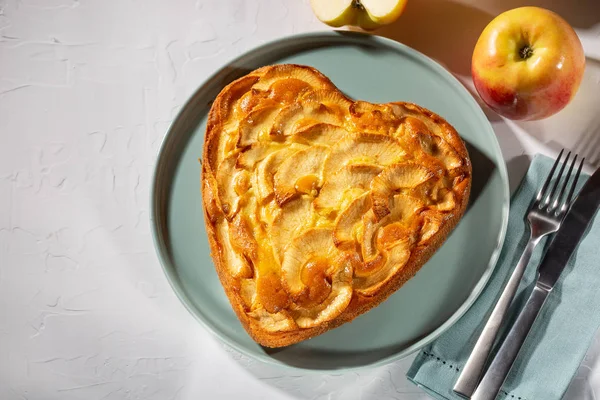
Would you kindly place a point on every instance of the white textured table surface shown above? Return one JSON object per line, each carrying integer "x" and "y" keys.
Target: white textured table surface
{"x": 87, "y": 90}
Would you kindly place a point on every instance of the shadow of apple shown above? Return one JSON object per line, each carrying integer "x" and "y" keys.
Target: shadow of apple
{"x": 443, "y": 30}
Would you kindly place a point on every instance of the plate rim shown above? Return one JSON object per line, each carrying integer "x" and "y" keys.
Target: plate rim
{"x": 168, "y": 266}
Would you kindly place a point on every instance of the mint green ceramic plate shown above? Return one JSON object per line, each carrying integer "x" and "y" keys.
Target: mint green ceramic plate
{"x": 368, "y": 68}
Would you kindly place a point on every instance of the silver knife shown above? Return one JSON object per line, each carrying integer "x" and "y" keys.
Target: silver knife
{"x": 574, "y": 226}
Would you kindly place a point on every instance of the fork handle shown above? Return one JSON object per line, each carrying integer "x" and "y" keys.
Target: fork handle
{"x": 495, "y": 376}
{"x": 473, "y": 369}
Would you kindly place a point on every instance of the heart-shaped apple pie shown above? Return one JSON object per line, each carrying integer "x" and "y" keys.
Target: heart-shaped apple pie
{"x": 319, "y": 207}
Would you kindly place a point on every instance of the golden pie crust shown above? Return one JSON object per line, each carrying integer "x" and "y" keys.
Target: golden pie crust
{"x": 319, "y": 207}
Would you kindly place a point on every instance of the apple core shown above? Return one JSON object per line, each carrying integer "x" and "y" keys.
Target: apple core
{"x": 525, "y": 52}
{"x": 356, "y": 4}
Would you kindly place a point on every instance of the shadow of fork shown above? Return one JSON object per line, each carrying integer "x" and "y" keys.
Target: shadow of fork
{"x": 588, "y": 144}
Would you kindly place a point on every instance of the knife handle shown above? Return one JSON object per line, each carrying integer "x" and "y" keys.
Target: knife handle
{"x": 474, "y": 367}
{"x": 496, "y": 374}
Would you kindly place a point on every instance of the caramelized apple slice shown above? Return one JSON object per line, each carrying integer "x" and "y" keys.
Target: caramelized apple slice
{"x": 340, "y": 294}
{"x": 421, "y": 134}
{"x": 225, "y": 178}
{"x": 256, "y": 153}
{"x": 334, "y": 101}
{"x": 252, "y": 99}
{"x": 299, "y": 116}
{"x": 354, "y": 176}
{"x": 432, "y": 222}
{"x": 393, "y": 178}
{"x": 374, "y": 118}
{"x": 312, "y": 244}
{"x": 300, "y": 172}
{"x": 256, "y": 123}
{"x": 445, "y": 200}
{"x": 403, "y": 208}
{"x": 363, "y": 148}
{"x": 395, "y": 259}
{"x": 238, "y": 266}
{"x": 265, "y": 173}
{"x": 439, "y": 148}
{"x": 242, "y": 238}
{"x": 319, "y": 133}
{"x": 344, "y": 234}
{"x": 273, "y": 322}
{"x": 287, "y": 91}
{"x": 282, "y": 72}
{"x": 313, "y": 256}
{"x": 288, "y": 222}
{"x": 235, "y": 91}
{"x": 248, "y": 293}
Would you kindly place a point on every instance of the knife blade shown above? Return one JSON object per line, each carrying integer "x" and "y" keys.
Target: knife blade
{"x": 574, "y": 226}
{"x": 563, "y": 245}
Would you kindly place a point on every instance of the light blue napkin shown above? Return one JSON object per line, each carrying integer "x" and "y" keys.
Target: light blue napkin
{"x": 559, "y": 338}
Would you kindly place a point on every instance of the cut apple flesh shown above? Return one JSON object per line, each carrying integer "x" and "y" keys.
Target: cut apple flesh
{"x": 332, "y": 11}
{"x": 368, "y": 14}
{"x": 383, "y": 11}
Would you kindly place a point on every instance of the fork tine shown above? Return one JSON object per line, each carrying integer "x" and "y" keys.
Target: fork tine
{"x": 559, "y": 197}
{"x": 548, "y": 199}
{"x": 542, "y": 191}
{"x": 567, "y": 203}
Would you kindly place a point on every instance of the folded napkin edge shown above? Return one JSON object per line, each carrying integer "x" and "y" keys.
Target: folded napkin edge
{"x": 428, "y": 357}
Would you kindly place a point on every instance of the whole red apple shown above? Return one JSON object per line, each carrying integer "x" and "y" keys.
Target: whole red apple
{"x": 528, "y": 63}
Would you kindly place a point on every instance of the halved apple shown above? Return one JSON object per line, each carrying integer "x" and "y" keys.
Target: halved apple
{"x": 367, "y": 14}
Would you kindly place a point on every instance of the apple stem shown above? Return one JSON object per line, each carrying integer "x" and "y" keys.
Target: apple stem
{"x": 525, "y": 52}
{"x": 357, "y": 4}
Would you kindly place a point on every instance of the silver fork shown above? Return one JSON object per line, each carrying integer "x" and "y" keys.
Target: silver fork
{"x": 545, "y": 215}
